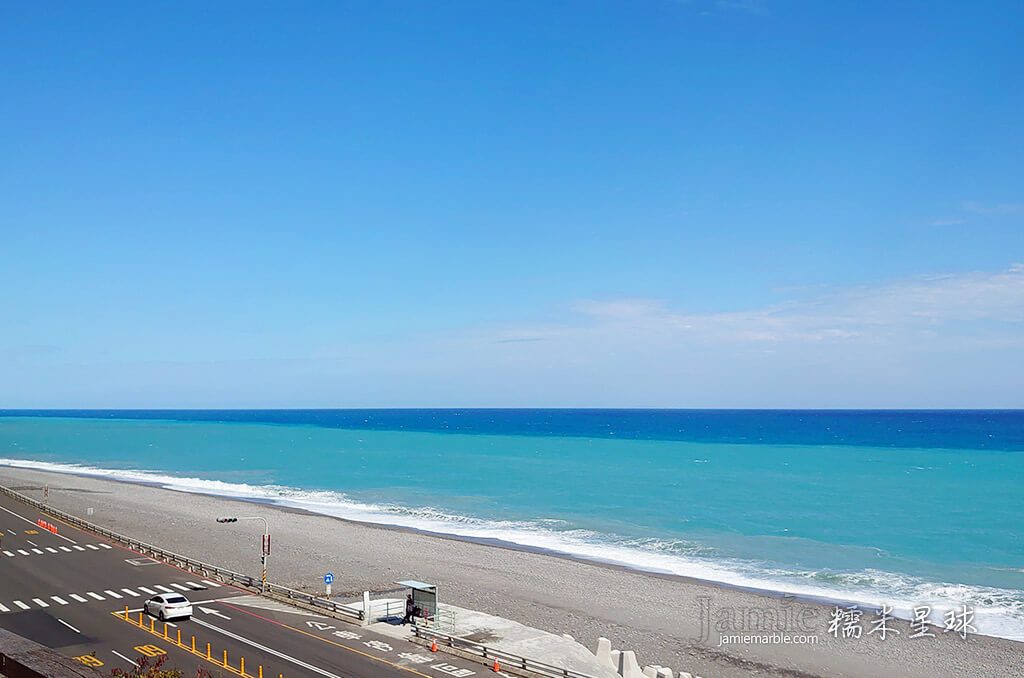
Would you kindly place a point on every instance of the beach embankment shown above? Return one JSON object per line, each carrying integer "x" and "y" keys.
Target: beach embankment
{"x": 710, "y": 630}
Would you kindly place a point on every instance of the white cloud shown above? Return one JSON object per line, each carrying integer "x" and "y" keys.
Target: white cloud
{"x": 994, "y": 209}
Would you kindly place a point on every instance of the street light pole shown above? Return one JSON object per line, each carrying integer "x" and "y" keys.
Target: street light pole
{"x": 265, "y": 552}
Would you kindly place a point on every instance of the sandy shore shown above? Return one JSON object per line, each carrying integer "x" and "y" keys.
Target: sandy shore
{"x": 660, "y": 617}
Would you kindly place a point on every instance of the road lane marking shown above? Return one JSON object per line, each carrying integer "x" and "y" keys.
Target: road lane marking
{"x": 59, "y": 600}
{"x": 130, "y": 661}
{"x": 135, "y": 594}
{"x": 69, "y": 626}
{"x": 282, "y": 655}
{"x": 4, "y": 608}
{"x": 180, "y": 587}
{"x": 78, "y": 598}
{"x": 30, "y": 522}
{"x": 94, "y": 595}
{"x": 65, "y": 549}
{"x": 31, "y": 542}
{"x": 112, "y": 594}
{"x": 145, "y": 590}
{"x": 40, "y": 602}
{"x": 51, "y": 550}
{"x": 22, "y": 605}
{"x": 163, "y": 588}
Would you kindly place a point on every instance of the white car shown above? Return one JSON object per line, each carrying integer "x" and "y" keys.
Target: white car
{"x": 168, "y": 606}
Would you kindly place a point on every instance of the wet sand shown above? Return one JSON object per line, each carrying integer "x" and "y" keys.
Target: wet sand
{"x": 667, "y": 620}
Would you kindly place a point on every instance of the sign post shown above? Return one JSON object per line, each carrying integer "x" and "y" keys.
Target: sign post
{"x": 328, "y": 580}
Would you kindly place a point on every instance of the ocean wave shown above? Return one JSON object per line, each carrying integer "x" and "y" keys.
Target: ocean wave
{"x": 999, "y": 612}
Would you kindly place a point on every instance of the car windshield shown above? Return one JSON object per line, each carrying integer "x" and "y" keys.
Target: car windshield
{"x": 176, "y": 599}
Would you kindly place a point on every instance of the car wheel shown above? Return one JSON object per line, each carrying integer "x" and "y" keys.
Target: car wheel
{"x": 163, "y": 617}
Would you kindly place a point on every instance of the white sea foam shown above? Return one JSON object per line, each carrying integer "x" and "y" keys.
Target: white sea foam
{"x": 999, "y": 612}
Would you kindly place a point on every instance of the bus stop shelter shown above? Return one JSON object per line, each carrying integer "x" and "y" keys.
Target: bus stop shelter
{"x": 424, "y": 597}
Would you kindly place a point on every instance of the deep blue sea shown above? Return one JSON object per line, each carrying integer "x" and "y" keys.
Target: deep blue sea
{"x": 903, "y": 508}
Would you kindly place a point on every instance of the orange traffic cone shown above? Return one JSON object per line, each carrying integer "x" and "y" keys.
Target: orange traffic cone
{"x": 433, "y": 646}
{"x": 497, "y": 666}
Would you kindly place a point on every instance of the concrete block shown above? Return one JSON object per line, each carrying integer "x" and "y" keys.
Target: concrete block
{"x": 568, "y": 637}
{"x": 614, "y": 654}
{"x": 650, "y": 672}
{"x": 604, "y": 652}
{"x": 664, "y": 673}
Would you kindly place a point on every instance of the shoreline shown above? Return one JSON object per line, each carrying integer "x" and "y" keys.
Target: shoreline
{"x": 165, "y": 480}
{"x": 660, "y": 615}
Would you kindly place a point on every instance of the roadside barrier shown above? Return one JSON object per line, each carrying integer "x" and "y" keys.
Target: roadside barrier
{"x": 49, "y": 527}
{"x": 253, "y": 584}
{"x": 149, "y": 650}
{"x": 489, "y": 654}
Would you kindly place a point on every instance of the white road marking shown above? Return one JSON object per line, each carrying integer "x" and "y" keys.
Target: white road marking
{"x": 272, "y": 651}
{"x": 180, "y": 587}
{"x": 21, "y": 605}
{"x": 23, "y": 552}
{"x": 51, "y": 550}
{"x": 92, "y": 547}
{"x": 106, "y": 546}
{"x": 131, "y": 593}
{"x": 145, "y": 590}
{"x": 94, "y": 595}
{"x": 4, "y": 608}
{"x": 163, "y": 588}
{"x": 215, "y": 613}
{"x": 112, "y": 594}
{"x": 65, "y": 549}
{"x": 8, "y": 554}
{"x": 39, "y": 551}
{"x": 40, "y": 602}
{"x": 77, "y": 547}
{"x": 130, "y": 661}
{"x": 195, "y": 586}
{"x": 78, "y": 598}
{"x": 210, "y": 583}
{"x": 59, "y": 600}
{"x": 30, "y": 522}
{"x": 69, "y": 626}
{"x": 32, "y": 543}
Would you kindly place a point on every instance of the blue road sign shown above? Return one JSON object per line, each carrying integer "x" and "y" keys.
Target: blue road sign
{"x": 329, "y": 578}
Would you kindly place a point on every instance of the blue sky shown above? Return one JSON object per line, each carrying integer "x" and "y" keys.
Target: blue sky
{"x": 697, "y": 204}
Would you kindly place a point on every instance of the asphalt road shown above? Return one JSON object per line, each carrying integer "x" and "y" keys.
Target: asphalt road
{"x": 69, "y": 590}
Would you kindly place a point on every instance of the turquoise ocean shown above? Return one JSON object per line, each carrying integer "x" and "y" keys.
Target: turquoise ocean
{"x": 901, "y": 508}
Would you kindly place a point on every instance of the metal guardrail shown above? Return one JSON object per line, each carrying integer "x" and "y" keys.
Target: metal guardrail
{"x": 190, "y": 564}
{"x": 504, "y": 658}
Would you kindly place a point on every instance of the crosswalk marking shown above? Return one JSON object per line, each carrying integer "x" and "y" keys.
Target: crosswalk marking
{"x": 78, "y": 598}
{"x": 145, "y": 590}
{"x": 112, "y": 594}
{"x": 77, "y": 547}
{"x": 94, "y": 595}
{"x": 65, "y": 549}
{"x": 180, "y": 587}
{"x": 163, "y": 588}
{"x": 4, "y": 608}
{"x": 130, "y": 592}
{"x": 40, "y": 602}
{"x": 92, "y": 547}
{"x": 210, "y": 583}
{"x": 39, "y": 551}
{"x": 8, "y": 554}
{"x": 194, "y": 586}
{"x": 59, "y": 600}
{"x": 106, "y": 546}
{"x": 51, "y": 550}
{"x": 21, "y": 605}
{"x": 23, "y": 552}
